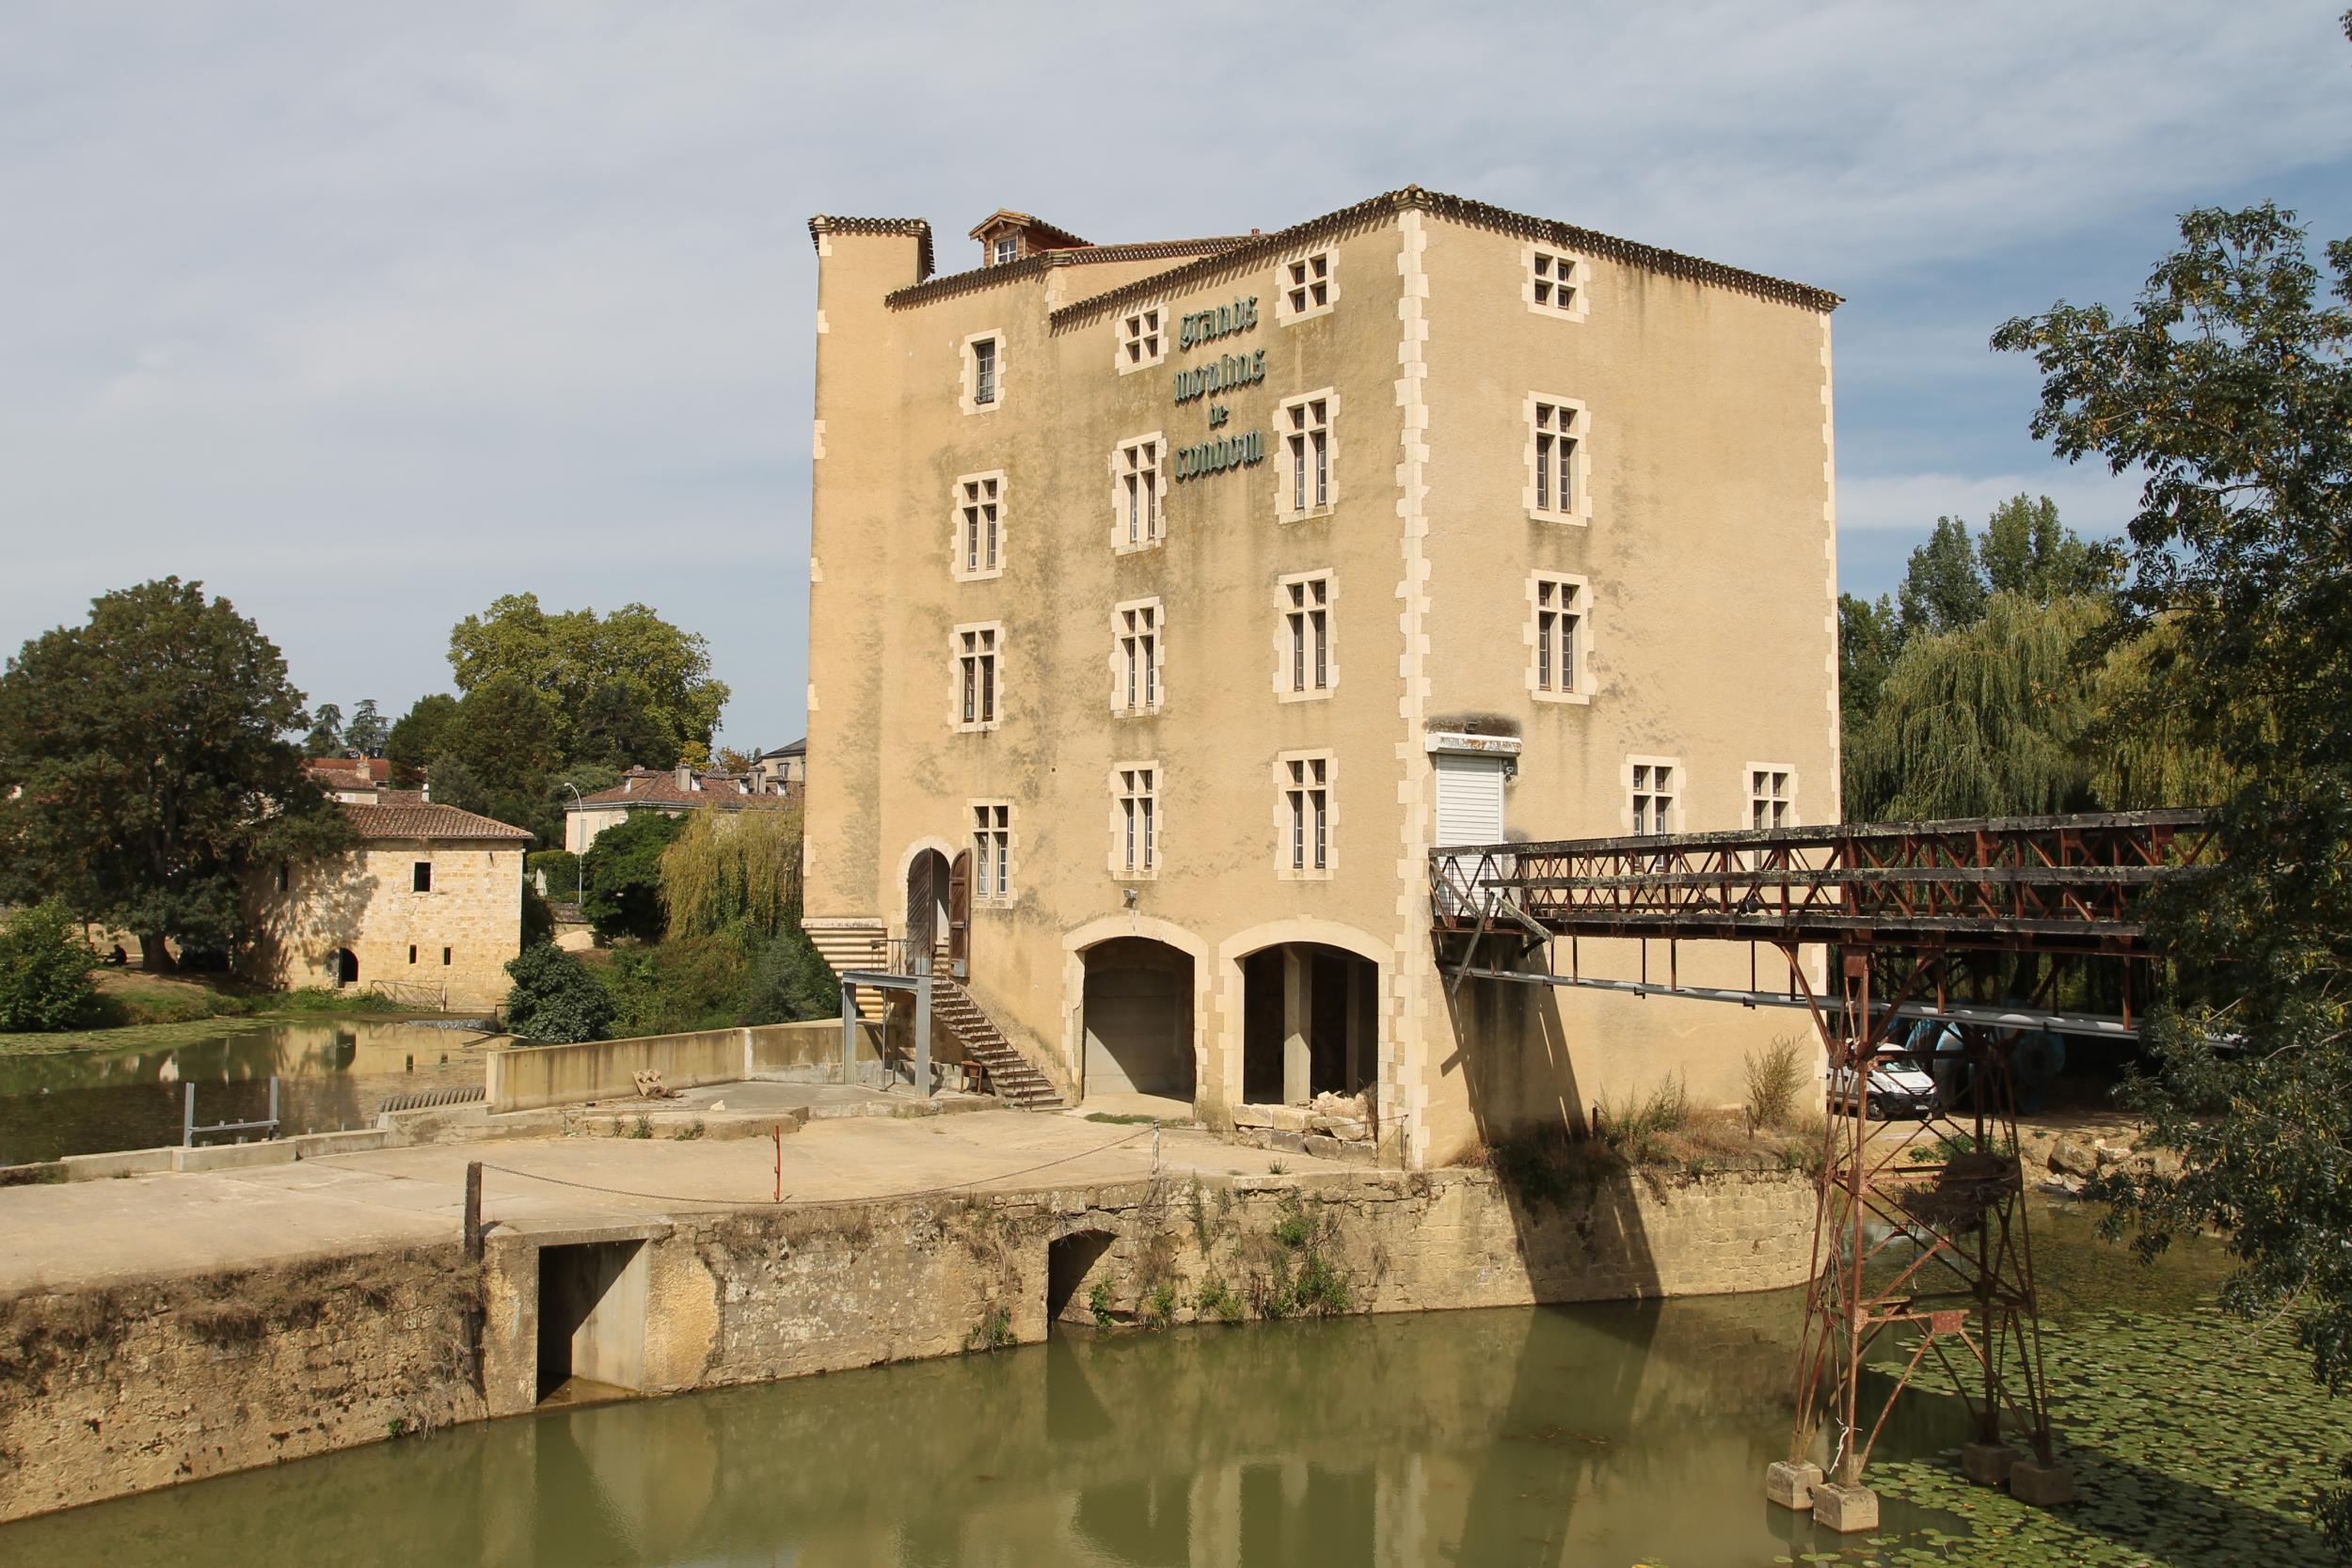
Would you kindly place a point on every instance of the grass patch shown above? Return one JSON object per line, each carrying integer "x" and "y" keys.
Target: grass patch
{"x": 1775, "y": 1075}
{"x": 1132, "y": 1119}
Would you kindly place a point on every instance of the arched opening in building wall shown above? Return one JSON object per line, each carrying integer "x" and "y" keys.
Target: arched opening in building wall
{"x": 927, "y": 901}
{"x": 1067, "y": 1261}
{"x": 1138, "y": 1017}
{"x": 1311, "y": 1023}
{"x": 346, "y": 966}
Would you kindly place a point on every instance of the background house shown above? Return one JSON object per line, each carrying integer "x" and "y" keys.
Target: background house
{"x": 674, "y": 792}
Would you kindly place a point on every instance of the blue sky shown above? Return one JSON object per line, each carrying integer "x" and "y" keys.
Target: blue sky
{"x": 365, "y": 315}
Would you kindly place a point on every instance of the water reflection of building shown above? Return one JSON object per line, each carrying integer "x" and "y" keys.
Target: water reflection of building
{"x": 1172, "y": 600}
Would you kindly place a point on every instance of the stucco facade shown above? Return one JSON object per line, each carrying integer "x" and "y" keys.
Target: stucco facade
{"x": 427, "y": 908}
{"x": 1360, "y": 507}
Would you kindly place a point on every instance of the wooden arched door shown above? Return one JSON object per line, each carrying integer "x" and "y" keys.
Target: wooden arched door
{"x": 960, "y": 916}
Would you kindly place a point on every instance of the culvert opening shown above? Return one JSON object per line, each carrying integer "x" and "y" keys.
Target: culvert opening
{"x": 1067, "y": 1261}
{"x": 591, "y": 1320}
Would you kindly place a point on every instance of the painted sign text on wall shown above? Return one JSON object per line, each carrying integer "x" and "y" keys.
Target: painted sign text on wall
{"x": 1227, "y": 371}
{"x": 1206, "y": 327}
{"x": 1226, "y": 452}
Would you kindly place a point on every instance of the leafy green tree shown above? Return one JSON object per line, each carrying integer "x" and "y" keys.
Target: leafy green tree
{"x": 2025, "y": 550}
{"x": 2228, "y": 385}
{"x": 366, "y": 732}
{"x": 555, "y": 998}
{"x": 791, "y": 983}
{"x": 1986, "y": 719}
{"x": 568, "y": 657}
{"x": 143, "y": 767}
{"x": 618, "y": 729}
{"x": 742, "y": 870}
{"x": 417, "y": 735}
{"x": 1944, "y": 588}
{"x": 1869, "y": 638}
{"x": 44, "y": 970}
{"x": 325, "y": 738}
{"x": 623, "y": 871}
{"x": 497, "y": 756}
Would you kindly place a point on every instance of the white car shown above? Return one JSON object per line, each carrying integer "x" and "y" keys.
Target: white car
{"x": 1897, "y": 1089}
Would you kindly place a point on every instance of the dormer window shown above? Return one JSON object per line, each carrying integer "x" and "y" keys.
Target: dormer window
{"x": 1008, "y": 248}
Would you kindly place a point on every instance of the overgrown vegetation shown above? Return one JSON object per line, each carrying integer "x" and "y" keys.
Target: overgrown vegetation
{"x": 555, "y": 999}
{"x": 993, "y": 1332}
{"x": 1775, "y": 1077}
{"x": 45, "y": 971}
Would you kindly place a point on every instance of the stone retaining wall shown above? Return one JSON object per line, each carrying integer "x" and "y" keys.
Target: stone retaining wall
{"x": 108, "y": 1392}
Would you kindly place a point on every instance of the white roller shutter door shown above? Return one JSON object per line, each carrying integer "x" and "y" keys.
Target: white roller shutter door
{"x": 1470, "y": 799}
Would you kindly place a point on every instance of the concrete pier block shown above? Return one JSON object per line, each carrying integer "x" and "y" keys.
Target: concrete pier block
{"x": 1791, "y": 1485}
{"x": 2042, "y": 1486}
{"x": 1845, "y": 1509}
{"x": 1988, "y": 1464}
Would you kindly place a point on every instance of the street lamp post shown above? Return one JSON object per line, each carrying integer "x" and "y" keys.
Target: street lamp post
{"x": 580, "y": 860}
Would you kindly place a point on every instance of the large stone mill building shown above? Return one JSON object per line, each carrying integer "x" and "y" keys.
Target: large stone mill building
{"x": 1171, "y": 601}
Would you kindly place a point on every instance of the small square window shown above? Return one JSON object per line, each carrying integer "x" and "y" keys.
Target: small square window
{"x": 1008, "y": 248}
{"x": 1772, "y": 796}
{"x": 1656, "y": 786}
{"x": 420, "y": 877}
{"x": 1555, "y": 283}
{"x": 1142, "y": 338}
{"x": 1308, "y": 288}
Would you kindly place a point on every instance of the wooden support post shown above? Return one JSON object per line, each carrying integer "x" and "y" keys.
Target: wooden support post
{"x": 473, "y": 1210}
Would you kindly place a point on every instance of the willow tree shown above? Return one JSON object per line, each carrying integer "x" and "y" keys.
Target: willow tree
{"x": 1984, "y": 721}
{"x": 733, "y": 870}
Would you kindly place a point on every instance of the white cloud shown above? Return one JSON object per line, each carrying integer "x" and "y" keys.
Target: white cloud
{"x": 296, "y": 287}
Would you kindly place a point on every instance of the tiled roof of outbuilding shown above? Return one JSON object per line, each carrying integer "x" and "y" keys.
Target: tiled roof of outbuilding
{"x": 423, "y": 821}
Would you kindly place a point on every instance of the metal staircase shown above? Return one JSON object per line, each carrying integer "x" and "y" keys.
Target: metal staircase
{"x": 1012, "y": 1077}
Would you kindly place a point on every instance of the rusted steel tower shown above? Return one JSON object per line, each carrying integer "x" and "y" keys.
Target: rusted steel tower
{"x": 1921, "y": 1242}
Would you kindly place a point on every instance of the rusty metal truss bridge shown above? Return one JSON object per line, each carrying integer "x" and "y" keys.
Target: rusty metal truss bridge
{"x": 1996, "y": 929}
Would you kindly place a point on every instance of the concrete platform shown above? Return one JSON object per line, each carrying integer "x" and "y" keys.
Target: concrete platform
{"x": 92, "y": 1232}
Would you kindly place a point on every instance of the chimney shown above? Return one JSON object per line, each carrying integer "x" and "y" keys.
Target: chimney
{"x": 685, "y": 776}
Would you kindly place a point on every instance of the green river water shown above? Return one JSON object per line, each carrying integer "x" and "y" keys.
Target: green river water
{"x": 332, "y": 1074}
{"x": 1611, "y": 1434}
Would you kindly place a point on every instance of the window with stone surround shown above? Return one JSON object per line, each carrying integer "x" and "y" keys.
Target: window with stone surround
{"x": 992, "y": 849}
{"x": 1306, "y": 636}
{"x": 1137, "y": 649}
{"x": 1771, "y": 795}
{"x": 983, "y": 373}
{"x": 975, "y": 652}
{"x": 1556, "y": 458}
{"x": 1303, "y": 425}
{"x": 1306, "y": 288}
{"x": 1654, "y": 794}
{"x": 1555, "y": 283}
{"x": 1136, "y": 492}
{"x": 1306, "y": 790}
{"x": 1558, "y": 625}
{"x": 420, "y": 877}
{"x": 979, "y": 525}
{"x": 1135, "y": 822}
{"x": 1142, "y": 338}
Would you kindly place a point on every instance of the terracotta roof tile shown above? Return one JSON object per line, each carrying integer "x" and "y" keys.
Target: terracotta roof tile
{"x": 423, "y": 821}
